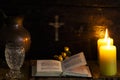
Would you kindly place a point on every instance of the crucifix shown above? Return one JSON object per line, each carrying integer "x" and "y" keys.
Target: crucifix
{"x": 56, "y": 25}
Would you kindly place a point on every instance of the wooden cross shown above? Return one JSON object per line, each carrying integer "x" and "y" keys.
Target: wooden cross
{"x": 56, "y": 25}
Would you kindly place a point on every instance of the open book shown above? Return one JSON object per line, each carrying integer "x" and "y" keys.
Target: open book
{"x": 75, "y": 65}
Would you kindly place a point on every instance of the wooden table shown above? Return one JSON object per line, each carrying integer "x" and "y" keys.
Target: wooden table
{"x": 26, "y": 70}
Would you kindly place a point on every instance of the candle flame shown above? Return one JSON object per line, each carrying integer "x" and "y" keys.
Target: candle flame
{"x": 108, "y": 42}
{"x": 106, "y": 34}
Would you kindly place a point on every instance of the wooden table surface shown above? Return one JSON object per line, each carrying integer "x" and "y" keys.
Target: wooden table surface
{"x": 26, "y": 71}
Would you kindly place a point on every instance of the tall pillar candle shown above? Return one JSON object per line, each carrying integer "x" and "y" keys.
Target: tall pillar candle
{"x": 107, "y": 56}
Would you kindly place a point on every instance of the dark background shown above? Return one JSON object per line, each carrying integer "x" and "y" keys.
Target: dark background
{"x": 84, "y": 22}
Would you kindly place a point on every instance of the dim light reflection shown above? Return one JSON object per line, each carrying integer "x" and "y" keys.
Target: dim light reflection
{"x": 99, "y": 31}
{"x": 26, "y": 39}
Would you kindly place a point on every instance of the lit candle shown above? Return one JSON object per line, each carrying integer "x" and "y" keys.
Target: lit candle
{"x": 107, "y": 56}
{"x": 103, "y": 41}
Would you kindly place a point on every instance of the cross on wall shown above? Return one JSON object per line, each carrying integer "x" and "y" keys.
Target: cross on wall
{"x": 56, "y": 25}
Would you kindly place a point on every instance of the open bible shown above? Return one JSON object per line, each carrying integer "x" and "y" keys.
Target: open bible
{"x": 75, "y": 65}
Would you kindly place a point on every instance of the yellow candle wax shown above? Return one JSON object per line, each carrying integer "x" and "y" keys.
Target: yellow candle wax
{"x": 107, "y": 56}
{"x": 103, "y": 41}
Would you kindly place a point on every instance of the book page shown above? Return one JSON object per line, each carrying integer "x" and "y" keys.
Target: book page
{"x": 82, "y": 71}
{"x": 74, "y": 61}
{"x": 48, "y": 65}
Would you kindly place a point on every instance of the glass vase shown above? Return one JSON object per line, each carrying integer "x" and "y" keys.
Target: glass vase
{"x": 17, "y": 42}
{"x": 14, "y": 55}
